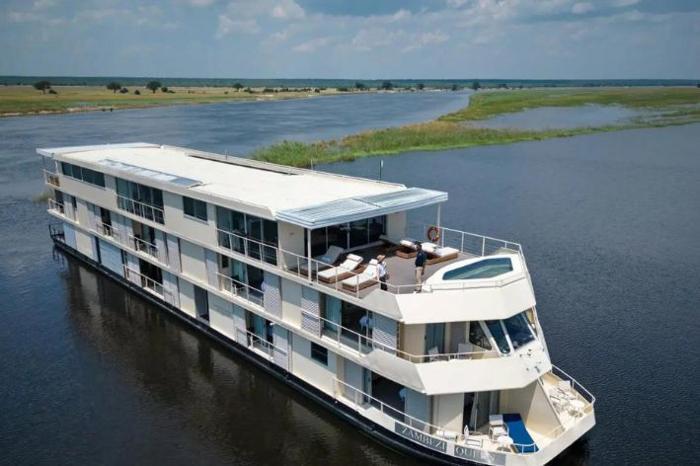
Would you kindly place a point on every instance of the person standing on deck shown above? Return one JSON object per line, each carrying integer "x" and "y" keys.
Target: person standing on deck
{"x": 382, "y": 273}
{"x": 421, "y": 258}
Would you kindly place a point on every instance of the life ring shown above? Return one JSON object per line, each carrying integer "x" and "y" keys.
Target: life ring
{"x": 433, "y": 234}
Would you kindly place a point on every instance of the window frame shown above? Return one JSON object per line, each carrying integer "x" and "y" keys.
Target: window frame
{"x": 315, "y": 349}
{"x": 198, "y": 207}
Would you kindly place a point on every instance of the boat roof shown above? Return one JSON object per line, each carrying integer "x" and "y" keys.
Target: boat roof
{"x": 309, "y": 198}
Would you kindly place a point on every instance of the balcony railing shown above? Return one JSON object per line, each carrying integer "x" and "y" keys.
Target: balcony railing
{"x": 255, "y": 341}
{"x": 57, "y": 207}
{"x": 141, "y": 245}
{"x": 350, "y": 339}
{"x": 52, "y": 178}
{"x": 107, "y": 230}
{"x": 146, "y": 282}
{"x": 252, "y": 248}
{"x": 147, "y": 211}
{"x": 241, "y": 290}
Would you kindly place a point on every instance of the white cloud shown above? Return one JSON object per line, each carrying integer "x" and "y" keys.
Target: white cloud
{"x": 312, "y": 45}
{"x": 287, "y": 9}
{"x": 425, "y": 39}
{"x": 201, "y": 3}
{"x": 236, "y": 26}
{"x": 582, "y": 8}
{"x": 623, "y": 3}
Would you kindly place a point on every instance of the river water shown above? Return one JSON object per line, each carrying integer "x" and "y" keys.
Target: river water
{"x": 609, "y": 223}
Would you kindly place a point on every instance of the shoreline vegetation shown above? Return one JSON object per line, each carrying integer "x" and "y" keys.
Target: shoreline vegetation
{"x": 661, "y": 106}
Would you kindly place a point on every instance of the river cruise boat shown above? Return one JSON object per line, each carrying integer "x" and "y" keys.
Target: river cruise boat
{"x": 282, "y": 265}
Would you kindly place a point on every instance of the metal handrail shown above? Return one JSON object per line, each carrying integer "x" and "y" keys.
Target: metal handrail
{"x": 249, "y": 247}
{"x": 233, "y": 287}
{"x": 57, "y": 206}
{"x": 588, "y": 396}
{"x": 146, "y": 282}
{"x": 52, "y": 178}
{"x": 106, "y": 230}
{"x": 268, "y": 348}
{"x": 414, "y": 358}
{"x": 144, "y": 246}
{"x": 147, "y": 211}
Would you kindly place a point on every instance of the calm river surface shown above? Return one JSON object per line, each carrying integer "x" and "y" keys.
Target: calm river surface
{"x": 610, "y": 225}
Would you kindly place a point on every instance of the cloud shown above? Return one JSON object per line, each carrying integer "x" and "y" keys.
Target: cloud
{"x": 425, "y": 39}
{"x": 287, "y": 9}
{"x": 623, "y": 3}
{"x": 582, "y": 8}
{"x": 201, "y": 3}
{"x": 312, "y": 45}
{"x": 236, "y": 26}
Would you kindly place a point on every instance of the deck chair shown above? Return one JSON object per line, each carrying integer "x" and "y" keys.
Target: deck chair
{"x": 407, "y": 248}
{"x": 324, "y": 261}
{"x": 341, "y": 272}
{"x": 364, "y": 279}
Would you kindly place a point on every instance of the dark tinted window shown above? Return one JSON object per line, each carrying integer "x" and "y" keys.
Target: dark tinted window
{"x": 319, "y": 353}
{"x": 194, "y": 208}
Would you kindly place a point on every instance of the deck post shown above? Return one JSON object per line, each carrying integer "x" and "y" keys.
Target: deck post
{"x": 308, "y": 251}
{"x": 437, "y": 224}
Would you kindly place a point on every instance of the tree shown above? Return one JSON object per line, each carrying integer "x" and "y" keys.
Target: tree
{"x": 238, "y": 86}
{"x": 360, "y": 86}
{"x": 387, "y": 85}
{"x": 164, "y": 89}
{"x": 114, "y": 86}
{"x": 476, "y": 86}
{"x": 137, "y": 92}
{"x": 42, "y": 86}
{"x": 455, "y": 87}
{"x": 153, "y": 86}
{"x": 420, "y": 86}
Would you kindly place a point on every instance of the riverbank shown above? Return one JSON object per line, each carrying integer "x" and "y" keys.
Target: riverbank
{"x": 25, "y": 100}
{"x": 666, "y": 106}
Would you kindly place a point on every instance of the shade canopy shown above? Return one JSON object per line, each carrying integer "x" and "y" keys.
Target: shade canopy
{"x": 358, "y": 208}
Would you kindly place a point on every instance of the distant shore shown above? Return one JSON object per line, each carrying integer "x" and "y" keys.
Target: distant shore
{"x": 26, "y": 100}
{"x": 664, "y": 106}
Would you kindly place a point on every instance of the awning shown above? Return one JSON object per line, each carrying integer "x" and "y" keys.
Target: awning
{"x": 358, "y": 208}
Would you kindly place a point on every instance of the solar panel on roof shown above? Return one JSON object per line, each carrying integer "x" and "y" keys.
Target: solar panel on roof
{"x": 151, "y": 174}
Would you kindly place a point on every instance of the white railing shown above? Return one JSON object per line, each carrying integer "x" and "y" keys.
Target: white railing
{"x": 308, "y": 268}
{"x": 107, "y": 230}
{"x": 580, "y": 389}
{"x": 52, "y": 178}
{"x": 259, "y": 250}
{"x": 347, "y": 338}
{"x": 255, "y": 341}
{"x": 472, "y": 243}
{"x": 146, "y": 282}
{"x": 141, "y": 245}
{"x": 147, "y": 211}
{"x": 241, "y": 290}
{"x": 57, "y": 206}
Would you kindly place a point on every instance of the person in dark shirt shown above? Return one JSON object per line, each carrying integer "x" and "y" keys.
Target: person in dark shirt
{"x": 421, "y": 258}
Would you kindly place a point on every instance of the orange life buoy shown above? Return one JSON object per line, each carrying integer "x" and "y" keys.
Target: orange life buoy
{"x": 433, "y": 234}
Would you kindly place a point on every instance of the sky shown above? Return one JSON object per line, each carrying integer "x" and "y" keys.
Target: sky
{"x": 356, "y": 39}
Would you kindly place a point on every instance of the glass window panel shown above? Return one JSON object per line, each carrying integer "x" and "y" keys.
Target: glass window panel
{"x": 188, "y": 206}
{"x": 519, "y": 330}
{"x": 358, "y": 233}
{"x": 477, "y": 336}
{"x": 376, "y": 228}
{"x": 499, "y": 335}
{"x": 337, "y": 236}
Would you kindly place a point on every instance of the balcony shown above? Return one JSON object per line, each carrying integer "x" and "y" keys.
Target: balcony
{"x": 258, "y": 250}
{"x": 238, "y": 289}
{"x": 147, "y": 211}
{"x": 147, "y": 283}
{"x": 107, "y": 230}
{"x": 60, "y": 209}
{"x": 52, "y": 179}
{"x": 348, "y": 339}
{"x": 150, "y": 249}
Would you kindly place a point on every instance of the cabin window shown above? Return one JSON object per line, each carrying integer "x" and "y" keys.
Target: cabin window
{"x": 83, "y": 174}
{"x": 519, "y": 330}
{"x": 499, "y": 335}
{"x": 347, "y": 235}
{"x": 319, "y": 353}
{"x": 250, "y": 235}
{"x": 194, "y": 208}
{"x": 477, "y": 336}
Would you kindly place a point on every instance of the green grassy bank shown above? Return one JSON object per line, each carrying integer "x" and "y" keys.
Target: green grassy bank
{"x": 668, "y": 106}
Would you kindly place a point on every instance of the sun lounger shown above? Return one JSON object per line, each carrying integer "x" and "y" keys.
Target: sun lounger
{"x": 443, "y": 254}
{"x": 324, "y": 261}
{"x": 367, "y": 277}
{"x": 343, "y": 271}
{"x": 407, "y": 248}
